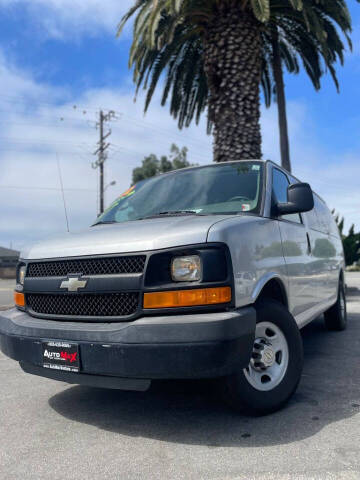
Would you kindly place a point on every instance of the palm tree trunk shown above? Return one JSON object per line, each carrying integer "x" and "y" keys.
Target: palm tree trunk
{"x": 281, "y": 102}
{"x": 232, "y": 51}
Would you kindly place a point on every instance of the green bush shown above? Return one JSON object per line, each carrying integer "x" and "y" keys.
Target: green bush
{"x": 353, "y": 268}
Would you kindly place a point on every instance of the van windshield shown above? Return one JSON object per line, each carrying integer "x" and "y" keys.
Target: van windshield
{"x": 216, "y": 189}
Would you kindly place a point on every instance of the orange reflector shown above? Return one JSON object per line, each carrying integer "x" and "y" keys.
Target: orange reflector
{"x": 19, "y": 299}
{"x": 187, "y": 298}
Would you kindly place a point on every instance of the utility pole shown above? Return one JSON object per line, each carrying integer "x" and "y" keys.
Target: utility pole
{"x": 101, "y": 152}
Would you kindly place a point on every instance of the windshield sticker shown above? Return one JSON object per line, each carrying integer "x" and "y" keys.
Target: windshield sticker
{"x": 129, "y": 191}
{"x": 245, "y": 207}
{"x": 256, "y": 167}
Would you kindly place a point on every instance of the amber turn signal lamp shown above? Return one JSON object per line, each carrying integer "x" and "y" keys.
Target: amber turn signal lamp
{"x": 187, "y": 298}
{"x": 19, "y": 299}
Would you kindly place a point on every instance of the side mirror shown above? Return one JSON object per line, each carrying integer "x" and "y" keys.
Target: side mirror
{"x": 300, "y": 199}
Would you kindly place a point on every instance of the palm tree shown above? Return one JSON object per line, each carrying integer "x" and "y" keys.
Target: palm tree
{"x": 290, "y": 40}
{"x": 216, "y": 52}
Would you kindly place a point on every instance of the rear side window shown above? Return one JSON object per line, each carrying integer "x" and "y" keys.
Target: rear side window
{"x": 333, "y": 228}
{"x": 280, "y": 186}
{"x": 312, "y": 219}
{"x": 322, "y": 213}
{"x": 321, "y": 219}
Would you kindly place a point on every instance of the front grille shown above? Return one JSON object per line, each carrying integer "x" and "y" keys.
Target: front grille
{"x": 88, "y": 266}
{"x": 92, "y": 305}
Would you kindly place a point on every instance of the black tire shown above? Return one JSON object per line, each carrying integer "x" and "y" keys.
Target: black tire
{"x": 241, "y": 395}
{"x": 336, "y": 316}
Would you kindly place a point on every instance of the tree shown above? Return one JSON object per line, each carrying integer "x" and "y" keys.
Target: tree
{"x": 216, "y": 52}
{"x": 291, "y": 40}
{"x": 352, "y": 246}
{"x": 339, "y": 222}
{"x": 152, "y": 165}
{"x": 351, "y": 241}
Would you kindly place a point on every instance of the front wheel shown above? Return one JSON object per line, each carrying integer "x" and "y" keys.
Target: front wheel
{"x": 275, "y": 367}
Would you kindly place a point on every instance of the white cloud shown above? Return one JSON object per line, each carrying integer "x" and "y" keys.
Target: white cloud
{"x": 14, "y": 81}
{"x": 41, "y": 122}
{"x": 64, "y": 19}
{"x": 38, "y": 126}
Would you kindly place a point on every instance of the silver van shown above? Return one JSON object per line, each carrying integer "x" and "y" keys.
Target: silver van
{"x": 204, "y": 272}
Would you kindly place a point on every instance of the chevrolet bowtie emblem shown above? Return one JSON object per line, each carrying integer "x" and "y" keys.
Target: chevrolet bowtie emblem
{"x": 73, "y": 284}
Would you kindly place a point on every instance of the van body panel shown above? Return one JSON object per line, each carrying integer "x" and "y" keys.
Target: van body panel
{"x": 300, "y": 273}
{"x": 256, "y": 252}
{"x": 127, "y": 237}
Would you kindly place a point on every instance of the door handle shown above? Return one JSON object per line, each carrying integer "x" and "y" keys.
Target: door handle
{"x": 308, "y": 242}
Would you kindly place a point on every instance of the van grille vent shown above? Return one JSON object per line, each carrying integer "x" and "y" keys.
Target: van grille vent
{"x": 88, "y": 266}
{"x": 89, "y": 305}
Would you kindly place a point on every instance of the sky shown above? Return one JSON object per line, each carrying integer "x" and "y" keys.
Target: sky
{"x": 61, "y": 62}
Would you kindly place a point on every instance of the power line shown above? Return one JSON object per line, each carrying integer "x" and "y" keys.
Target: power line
{"x": 190, "y": 141}
{"x": 89, "y": 108}
{"x": 148, "y": 125}
{"x": 7, "y": 142}
{"x": 27, "y": 101}
{"x": 41, "y": 142}
{"x": 54, "y": 122}
{"x": 19, "y": 187}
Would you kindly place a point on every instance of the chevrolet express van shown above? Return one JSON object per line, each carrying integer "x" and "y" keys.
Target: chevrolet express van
{"x": 203, "y": 272}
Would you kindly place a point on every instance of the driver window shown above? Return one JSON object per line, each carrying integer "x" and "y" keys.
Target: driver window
{"x": 279, "y": 191}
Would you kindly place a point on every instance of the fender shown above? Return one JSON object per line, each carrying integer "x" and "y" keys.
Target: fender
{"x": 264, "y": 280}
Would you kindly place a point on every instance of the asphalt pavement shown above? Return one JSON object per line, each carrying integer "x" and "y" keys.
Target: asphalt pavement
{"x": 181, "y": 430}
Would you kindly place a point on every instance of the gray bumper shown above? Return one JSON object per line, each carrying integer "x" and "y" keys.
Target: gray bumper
{"x": 176, "y": 346}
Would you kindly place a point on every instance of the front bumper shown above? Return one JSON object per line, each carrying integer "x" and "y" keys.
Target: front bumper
{"x": 177, "y": 346}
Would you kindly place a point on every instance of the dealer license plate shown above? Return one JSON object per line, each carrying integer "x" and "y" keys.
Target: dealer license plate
{"x": 61, "y": 356}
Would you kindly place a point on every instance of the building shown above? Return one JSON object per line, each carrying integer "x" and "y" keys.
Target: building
{"x": 8, "y": 262}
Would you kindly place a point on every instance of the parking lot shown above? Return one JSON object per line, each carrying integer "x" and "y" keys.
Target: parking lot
{"x": 181, "y": 430}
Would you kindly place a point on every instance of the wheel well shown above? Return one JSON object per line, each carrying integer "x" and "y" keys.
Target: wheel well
{"x": 342, "y": 280}
{"x": 341, "y": 276}
{"x": 274, "y": 290}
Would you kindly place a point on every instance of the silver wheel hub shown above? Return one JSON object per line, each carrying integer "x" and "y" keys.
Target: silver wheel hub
{"x": 269, "y": 359}
{"x": 263, "y": 355}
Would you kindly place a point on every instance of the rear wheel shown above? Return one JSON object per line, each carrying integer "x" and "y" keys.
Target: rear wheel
{"x": 336, "y": 316}
{"x": 275, "y": 367}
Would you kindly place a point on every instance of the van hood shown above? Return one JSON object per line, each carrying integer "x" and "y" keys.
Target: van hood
{"x": 127, "y": 237}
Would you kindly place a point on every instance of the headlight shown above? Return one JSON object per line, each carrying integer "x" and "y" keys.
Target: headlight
{"x": 22, "y": 271}
{"x": 186, "y": 269}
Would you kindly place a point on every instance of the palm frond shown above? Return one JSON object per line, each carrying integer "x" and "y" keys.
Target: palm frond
{"x": 167, "y": 46}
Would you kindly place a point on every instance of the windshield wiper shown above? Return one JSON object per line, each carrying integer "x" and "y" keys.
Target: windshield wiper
{"x": 170, "y": 213}
{"x": 154, "y": 215}
{"x": 104, "y": 222}
{"x": 177, "y": 212}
